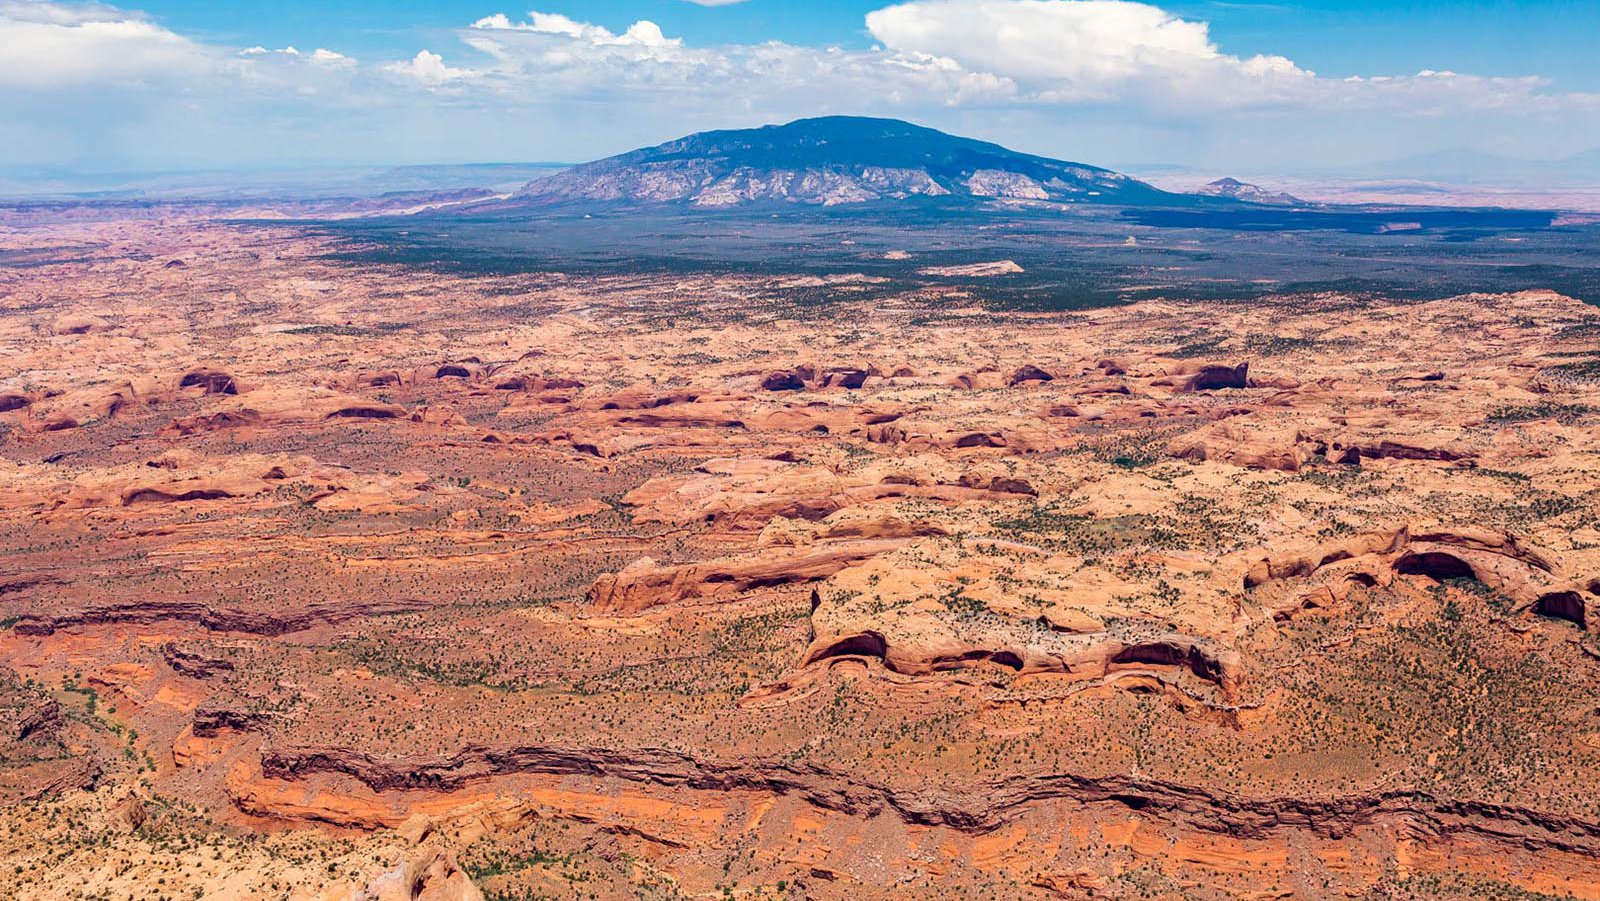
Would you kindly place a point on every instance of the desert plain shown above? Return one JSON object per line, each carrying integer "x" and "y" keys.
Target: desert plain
{"x": 334, "y": 580}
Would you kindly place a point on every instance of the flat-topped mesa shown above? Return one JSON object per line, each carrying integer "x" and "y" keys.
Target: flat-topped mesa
{"x": 177, "y": 477}
{"x": 870, "y": 522}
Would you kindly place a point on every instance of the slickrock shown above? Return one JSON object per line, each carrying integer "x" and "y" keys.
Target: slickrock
{"x": 745, "y": 493}
{"x": 644, "y": 583}
{"x": 329, "y": 580}
{"x": 1245, "y": 442}
{"x": 1527, "y": 577}
{"x": 944, "y": 606}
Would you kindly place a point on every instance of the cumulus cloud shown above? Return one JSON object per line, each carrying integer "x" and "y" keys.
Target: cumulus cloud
{"x": 567, "y": 58}
{"x": 1008, "y": 60}
{"x": 975, "y": 52}
{"x": 46, "y": 48}
{"x": 319, "y": 56}
{"x": 1093, "y": 42}
{"x": 930, "y": 53}
{"x": 1119, "y": 51}
{"x": 325, "y": 57}
{"x": 642, "y": 33}
{"x": 50, "y": 44}
{"x": 1085, "y": 50}
{"x": 428, "y": 68}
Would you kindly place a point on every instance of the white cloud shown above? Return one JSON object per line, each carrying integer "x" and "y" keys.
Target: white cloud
{"x": 51, "y": 44}
{"x": 938, "y": 53}
{"x": 320, "y": 55}
{"x": 642, "y": 33}
{"x": 1082, "y": 47}
{"x": 428, "y": 68}
{"x": 933, "y": 54}
{"x": 564, "y": 58}
{"x": 331, "y": 58}
{"x": 982, "y": 66}
{"x": 1116, "y": 51}
{"x": 547, "y": 41}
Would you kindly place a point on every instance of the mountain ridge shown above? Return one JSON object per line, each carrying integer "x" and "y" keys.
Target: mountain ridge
{"x": 835, "y": 160}
{"x": 1245, "y": 192}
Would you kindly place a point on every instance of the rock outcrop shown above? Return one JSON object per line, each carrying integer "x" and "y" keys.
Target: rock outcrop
{"x": 645, "y": 584}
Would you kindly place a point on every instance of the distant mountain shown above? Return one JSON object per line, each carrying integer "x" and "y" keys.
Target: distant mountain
{"x": 353, "y": 182}
{"x": 1234, "y": 189}
{"x": 835, "y": 160}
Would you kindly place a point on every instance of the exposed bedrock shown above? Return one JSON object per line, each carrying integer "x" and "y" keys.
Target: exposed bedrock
{"x": 195, "y": 663}
{"x": 217, "y": 715}
{"x": 784, "y": 380}
{"x": 1288, "y": 443}
{"x": 217, "y": 619}
{"x": 1244, "y": 442}
{"x": 181, "y": 477}
{"x": 83, "y": 406}
{"x": 1010, "y": 436}
{"x": 974, "y": 808}
{"x": 210, "y": 381}
{"x": 1087, "y": 655}
{"x": 1347, "y": 451}
{"x": 949, "y": 604}
{"x": 645, "y": 583}
{"x": 1029, "y": 373}
{"x": 747, "y": 493}
{"x": 1503, "y": 562}
{"x": 1214, "y": 377}
{"x": 275, "y": 407}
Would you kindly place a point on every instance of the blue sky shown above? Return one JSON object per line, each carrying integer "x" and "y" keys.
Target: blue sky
{"x": 1300, "y": 84}
{"x": 1553, "y": 37}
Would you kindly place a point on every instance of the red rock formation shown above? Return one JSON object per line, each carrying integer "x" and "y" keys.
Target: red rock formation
{"x": 211, "y": 381}
{"x": 645, "y": 583}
